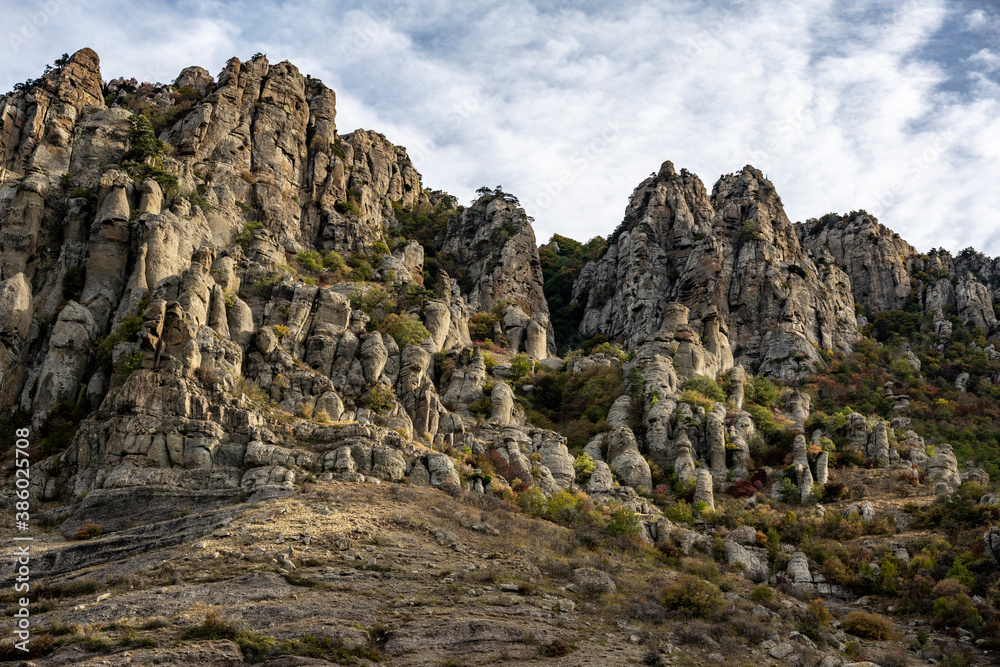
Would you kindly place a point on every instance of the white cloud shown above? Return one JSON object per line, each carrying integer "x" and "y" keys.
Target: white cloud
{"x": 987, "y": 60}
{"x": 570, "y": 109}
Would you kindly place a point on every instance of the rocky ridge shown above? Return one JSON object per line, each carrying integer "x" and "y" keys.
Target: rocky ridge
{"x": 211, "y": 299}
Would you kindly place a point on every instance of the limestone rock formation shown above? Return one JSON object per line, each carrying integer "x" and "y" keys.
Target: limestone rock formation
{"x": 734, "y": 251}
{"x": 942, "y": 469}
{"x": 878, "y": 261}
{"x": 991, "y": 540}
{"x": 491, "y": 249}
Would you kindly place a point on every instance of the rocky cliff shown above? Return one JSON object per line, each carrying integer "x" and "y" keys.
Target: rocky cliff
{"x": 208, "y": 295}
{"x": 733, "y": 252}
{"x": 887, "y": 273}
{"x": 181, "y": 262}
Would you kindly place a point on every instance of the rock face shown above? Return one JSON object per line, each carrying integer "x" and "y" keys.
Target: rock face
{"x": 492, "y": 254}
{"x": 735, "y": 251}
{"x": 703, "y": 491}
{"x": 180, "y": 317}
{"x": 626, "y": 461}
{"x": 886, "y": 273}
{"x": 991, "y": 540}
{"x": 942, "y": 468}
{"x": 878, "y": 261}
{"x": 247, "y": 311}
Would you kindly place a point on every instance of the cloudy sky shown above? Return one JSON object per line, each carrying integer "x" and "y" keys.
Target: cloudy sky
{"x": 891, "y": 106}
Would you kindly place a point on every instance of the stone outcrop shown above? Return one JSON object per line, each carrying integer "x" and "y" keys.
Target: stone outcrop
{"x": 208, "y": 293}
{"x": 703, "y": 490}
{"x": 991, "y": 540}
{"x": 625, "y": 460}
{"x": 877, "y": 260}
{"x": 238, "y": 313}
{"x": 734, "y": 251}
{"x": 942, "y": 469}
{"x": 491, "y": 249}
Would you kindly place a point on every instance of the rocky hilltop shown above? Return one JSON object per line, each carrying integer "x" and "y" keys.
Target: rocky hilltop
{"x": 218, "y": 310}
{"x": 733, "y": 253}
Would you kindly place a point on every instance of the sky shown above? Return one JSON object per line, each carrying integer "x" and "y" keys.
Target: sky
{"x": 888, "y": 106}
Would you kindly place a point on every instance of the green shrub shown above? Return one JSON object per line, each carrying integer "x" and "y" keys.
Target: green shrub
{"x": 332, "y": 261}
{"x": 761, "y": 391}
{"x": 583, "y": 465}
{"x": 198, "y": 201}
{"x": 903, "y": 370}
{"x": 788, "y": 491}
{"x": 97, "y": 644}
{"x": 564, "y": 508}
{"x": 953, "y": 606}
{"x": 83, "y": 193}
{"x": 330, "y": 649}
{"x": 243, "y": 238}
{"x": 379, "y": 398}
{"x": 489, "y": 361}
{"x": 482, "y": 406}
{"x": 347, "y": 208}
{"x": 762, "y": 595}
{"x": 679, "y": 512}
{"x": 482, "y": 325}
{"x": 405, "y": 329}
{"x": 697, "y": 399}
{"x": 361, "y": 271}
{"x": 143, "y": 144}
{"x": 692, "y": 597}
{"x": 129, "y": 364}
{"x": 253, "y": 646}
{"x": 750, "y": 231}
{"x": 264, "y": 287}
{"x": 519, "y": 367}
{"x": 869, "y": 626}
{"x": 533, "y": 502}
{"x": 705, "y": 386}
{"x": 815, "y": 620}
{"x": 370, "y": 297}
{"x": 623, "y": 523}
{"x": 72, "y": 283}
{"x": 310, "y": 260}
{"x": 126, "y": 331}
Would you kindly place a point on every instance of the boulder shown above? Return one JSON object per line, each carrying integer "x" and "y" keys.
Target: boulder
{"x": 865, "y": 510}
{"x": 745, "y": 535}
{"x": 822, "y": 468}
{"x": 878, "y": 443}
{"x": 977, "y": 475}
{"x": 557, "y": 459}
{"x": 620, "y": 412}
{"x": 441, "y": 470}
{"x": 942, "y": 468}
{"x": 798, "y": 569}
{"x": 388, "y": 464}
{"x": 703, "y": 489}
{"x": 502, "y": 400}
{"x": 626, "y": 461}
{"x": 66, "y": 361}
{"x": 797, "y": 408}
{"x": 754, "y": 566}
{"x": 737, "y": 378}
{"x": 593, "y": 582}
{"x": 601, "y": 480}
{"x": 715, "y": 434}
{"x": 991, "y": 540}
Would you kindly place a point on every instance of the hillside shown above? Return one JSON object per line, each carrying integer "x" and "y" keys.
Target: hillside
{"x": 289, "y": 406}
